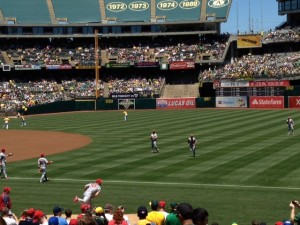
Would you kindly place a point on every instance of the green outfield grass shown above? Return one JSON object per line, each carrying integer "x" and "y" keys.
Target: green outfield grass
{"x": 246, "y": 165}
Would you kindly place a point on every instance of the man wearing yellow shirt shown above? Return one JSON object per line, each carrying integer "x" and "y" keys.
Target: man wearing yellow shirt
{"x": 155, "y": 216}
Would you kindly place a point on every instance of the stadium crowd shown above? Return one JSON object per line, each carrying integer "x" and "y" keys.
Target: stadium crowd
{"x": 14, "y": 95}
{"x": 256, "y": 66}
{"x": 158, "y": 213}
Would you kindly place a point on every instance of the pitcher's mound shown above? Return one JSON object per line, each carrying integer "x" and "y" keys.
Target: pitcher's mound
{"x": 27, "y": 144}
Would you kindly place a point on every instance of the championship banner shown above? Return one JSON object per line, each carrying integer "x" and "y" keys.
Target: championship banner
{"x": 231, "y": 102}
{"x": 182, "y": 65}
{"x": 294, "y": 101}
{"x": 58, "y": 67}
{"x": 282, "y": 83}
{"x": 146, "y": 64}
{"x": 266, "y": 102}
{"x": 249, "y": 41}
{"x": 175, "y": 103}
{"x": 27, "y": 67}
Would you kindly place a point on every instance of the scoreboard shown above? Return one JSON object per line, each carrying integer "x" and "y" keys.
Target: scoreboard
{"x": 250, "y": 91}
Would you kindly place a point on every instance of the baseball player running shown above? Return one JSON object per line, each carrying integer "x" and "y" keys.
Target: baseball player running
{"x": 42, "y": 167}
{"x": 3, "y": 157}
{"x": 192, "y": 144}
{"x": 91, "y": 190}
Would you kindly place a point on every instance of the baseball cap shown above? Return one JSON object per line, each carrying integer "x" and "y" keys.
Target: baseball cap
{"x": 3, "y": 150}
{"x": 279, "y": 223}
{"x": 30, "y": 212}
{"x": 109, "y": 207}
{"x": 234, "y": 223}
{"x": 73, "y": 222}
{"x": 173, "y": 205}
{"x": 84, "y": 207}
{"x": 57, "y": 210}
{"x": 99, "y": 181}
{"x": 53, "y": 221}
{"x": 162, "y": 204}
{"x": 7, "y": 189}
{"x": 99, "y": 210}
{"x": 38, "y": 214}
{"x": 42, "y": 155}
{"x": 287, "y": 222}
{"x": 153, "y": 204}
{"x": 142, "y": 211}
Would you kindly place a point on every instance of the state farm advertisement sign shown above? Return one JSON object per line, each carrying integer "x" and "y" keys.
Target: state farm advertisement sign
{"x": 267, "y": 102}
{"x": 294, "y": 102}
{"x": 175, "y": 103}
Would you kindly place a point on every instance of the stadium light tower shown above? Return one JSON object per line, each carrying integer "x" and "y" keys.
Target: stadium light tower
{"x": 96, "y": 64}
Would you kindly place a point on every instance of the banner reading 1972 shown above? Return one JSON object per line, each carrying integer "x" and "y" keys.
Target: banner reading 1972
{"x": 175, "y": 103}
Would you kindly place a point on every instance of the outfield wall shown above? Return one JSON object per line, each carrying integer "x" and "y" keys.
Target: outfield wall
{"x": 271, "y": 102}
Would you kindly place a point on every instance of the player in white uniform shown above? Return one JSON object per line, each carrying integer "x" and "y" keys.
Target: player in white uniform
{"x": 91, "y": 190}
{"x": 42, "y": 166}
{"x": 192, "y": 144}
{"x": 3, "y": 157}
{"x": 290, "y": 124}
{"x": 153, "y": 138}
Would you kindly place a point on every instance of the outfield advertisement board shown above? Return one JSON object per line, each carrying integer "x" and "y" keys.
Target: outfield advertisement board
{"x": 294, "y": 102}
{"x": 266, "y": 102}
{"x": 175, "y": 103}
{"x": 232, "y": 102}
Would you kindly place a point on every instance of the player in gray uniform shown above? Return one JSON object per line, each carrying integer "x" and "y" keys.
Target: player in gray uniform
{"x": 3, "y": 157}
{"x": 91, "y": 190}
{"x": 153, "y": 138}
{"x": 290, "y": 124}
{"x": 192, "y": 144}
{"x": 42, "y": 167}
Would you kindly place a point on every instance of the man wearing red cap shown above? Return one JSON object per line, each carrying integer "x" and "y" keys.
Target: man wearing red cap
{"x": 42, "y": 167}
{"x": 5, "y": 201}
{"x": 3, "y": 157}
{"x": 91, "y": 190}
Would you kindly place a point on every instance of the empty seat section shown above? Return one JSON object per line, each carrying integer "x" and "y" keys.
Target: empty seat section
{"x": 77, "y": 11}
{"x": 29, "y": 11}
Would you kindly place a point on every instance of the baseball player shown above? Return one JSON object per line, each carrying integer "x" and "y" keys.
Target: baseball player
{"x": 91, "y": 190}
{"x": 125, "y": 115}
{"x": 192, "y": 144}
{"x": 153, "y": 138}
{"x": 42, "y": 167}
{"x": 290, "y": 125}
{"x": 3, "y": 157}
{"x": 23, "y": 124}
{"x": 6, "y": 122}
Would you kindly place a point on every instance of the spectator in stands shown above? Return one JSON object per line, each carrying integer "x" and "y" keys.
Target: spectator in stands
{"x": 155, "y": 216}
{"x": 118, "y": 218}
{"x": 68, "y": 215}
{"x": 142, "y": 213}
{"x": 185, "y": 213}
{"x": 172, "y": 218}
{"x": 162, "y": 208}
{"x": 294, "y": 218}
{"x": 108, "y": 212}
{"x": 200, "y": 216}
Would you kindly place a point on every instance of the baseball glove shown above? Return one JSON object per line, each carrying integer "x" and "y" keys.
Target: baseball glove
{"x": 10, "y": 154}
{"x": 40, "y": 170}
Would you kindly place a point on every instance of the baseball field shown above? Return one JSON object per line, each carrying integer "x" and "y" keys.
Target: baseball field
{"x": 246, "y": 166}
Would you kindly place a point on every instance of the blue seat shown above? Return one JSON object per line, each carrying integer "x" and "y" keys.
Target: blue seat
{"x": 29, "y": 11}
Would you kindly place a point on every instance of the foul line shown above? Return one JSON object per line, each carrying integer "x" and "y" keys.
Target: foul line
{"x": 169, "y": 183}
